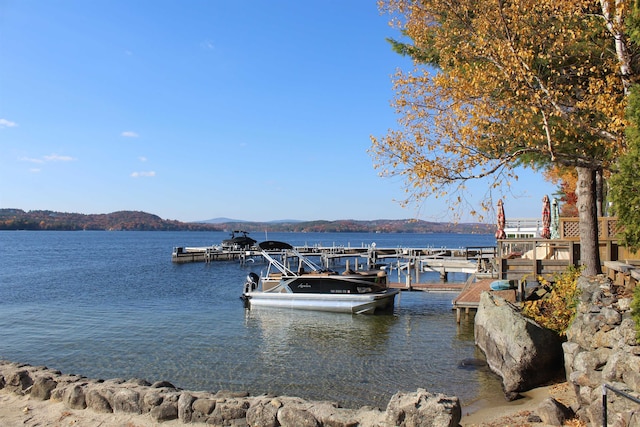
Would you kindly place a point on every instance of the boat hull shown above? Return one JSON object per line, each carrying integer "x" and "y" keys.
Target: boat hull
{"x": 367, "y": 303}
{"x": 329, "y": 283}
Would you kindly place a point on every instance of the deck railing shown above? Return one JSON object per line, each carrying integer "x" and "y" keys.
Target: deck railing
{"x": 607, "y": 228}
{"x": 535, "y": 256}
{"x": 532, "y": 258}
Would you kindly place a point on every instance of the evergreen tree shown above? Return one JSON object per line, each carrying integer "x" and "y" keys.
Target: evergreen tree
{"x": 624, "y": 184}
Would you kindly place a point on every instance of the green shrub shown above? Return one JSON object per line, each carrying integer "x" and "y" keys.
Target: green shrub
{"x": 635, "y": 310}
{"x": 557, "y": 308}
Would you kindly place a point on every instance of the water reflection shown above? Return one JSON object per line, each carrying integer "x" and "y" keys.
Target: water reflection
{"x": 324, "y": 356}
{"x": 282, "y": 328}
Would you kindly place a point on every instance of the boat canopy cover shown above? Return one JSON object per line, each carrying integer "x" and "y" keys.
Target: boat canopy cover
{"x": 274, "y": 245}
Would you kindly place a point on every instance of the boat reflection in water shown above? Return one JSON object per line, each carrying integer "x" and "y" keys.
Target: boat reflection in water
{"x": 324, "y": 356}
{"x": 281, "y": 327}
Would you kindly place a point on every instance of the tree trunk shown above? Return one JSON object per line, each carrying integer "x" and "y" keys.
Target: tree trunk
{"x": 588, "y": 217}
{"x": 599, "y": 194}
{"x": 614, "y": 16}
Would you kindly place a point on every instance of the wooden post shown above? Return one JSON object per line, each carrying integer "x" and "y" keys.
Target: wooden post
{"x": 444, "y": 276}
{"x": 535, "y": 258}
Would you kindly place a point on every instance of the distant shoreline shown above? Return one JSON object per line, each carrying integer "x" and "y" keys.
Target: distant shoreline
{"x": 17, "y": 219}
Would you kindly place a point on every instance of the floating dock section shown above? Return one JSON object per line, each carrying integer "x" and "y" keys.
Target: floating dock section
{"x": 183, "y": 255}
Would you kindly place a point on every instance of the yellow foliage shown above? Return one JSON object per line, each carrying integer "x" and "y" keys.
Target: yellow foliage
{"x": 557, "y": 309}
{"x": 501, "y": 84}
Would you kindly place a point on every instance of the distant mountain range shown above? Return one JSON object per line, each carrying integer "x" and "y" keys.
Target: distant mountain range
{"x": 237, "y": 221}
{"x": 219, "y": 220}
{"x": 18, "y": 219}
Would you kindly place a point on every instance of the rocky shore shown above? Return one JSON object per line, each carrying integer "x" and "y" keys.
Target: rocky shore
{"x": 601, "y": 351}
{"x": 162, "y": 402}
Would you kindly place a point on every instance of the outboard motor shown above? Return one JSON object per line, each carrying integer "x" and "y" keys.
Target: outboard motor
{"x": 252, "y": 282}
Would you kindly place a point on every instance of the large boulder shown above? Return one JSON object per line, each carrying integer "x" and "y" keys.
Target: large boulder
{"x": 423, "y": 409}
{"x": 524, "y": 354}
{"x": 295, "y": 417}
{"x": 554, "y": 413}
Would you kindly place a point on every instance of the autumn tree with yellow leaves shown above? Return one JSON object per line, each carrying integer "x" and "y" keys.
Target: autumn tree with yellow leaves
{"x": 499, "y": 84}
{"x": 565, "y": 179}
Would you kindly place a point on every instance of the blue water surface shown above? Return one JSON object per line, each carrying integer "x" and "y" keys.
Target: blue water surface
{"x": 113, "y": 305}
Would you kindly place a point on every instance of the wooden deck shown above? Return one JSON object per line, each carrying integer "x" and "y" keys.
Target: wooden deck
{"x": 429, "y": 287}
{"x": 625, "y": 274}
{"x": 469, "y": 297}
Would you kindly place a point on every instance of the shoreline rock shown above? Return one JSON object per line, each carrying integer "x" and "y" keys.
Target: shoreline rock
{"x": 524, "y": 354}
{"x": 165, "y": 402}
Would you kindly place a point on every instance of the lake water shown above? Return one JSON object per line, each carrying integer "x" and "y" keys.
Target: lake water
{"x": 113, "y": 305}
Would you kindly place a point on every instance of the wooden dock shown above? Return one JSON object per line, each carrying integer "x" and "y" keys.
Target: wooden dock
{"x": 428, "y": 287}
{"x": 469, "y": 297}
{"x": 183, "y": 255}
{"x": 408, "y": 263}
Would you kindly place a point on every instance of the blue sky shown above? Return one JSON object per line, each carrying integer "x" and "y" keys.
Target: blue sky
{"x": 198, "y": 109}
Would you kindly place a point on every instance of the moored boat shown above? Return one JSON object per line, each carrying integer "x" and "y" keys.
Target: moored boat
{"x": 311, "y": 287}
{"x": 239, "y": 239}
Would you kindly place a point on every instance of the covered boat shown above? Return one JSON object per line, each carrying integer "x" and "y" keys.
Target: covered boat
{"x": 311, "y": 287}
{"x": 238, "y": 240}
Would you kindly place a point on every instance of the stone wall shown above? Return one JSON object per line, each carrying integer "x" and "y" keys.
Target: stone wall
{"x": 163, "y": 402}
{"x": 602, "y": 348}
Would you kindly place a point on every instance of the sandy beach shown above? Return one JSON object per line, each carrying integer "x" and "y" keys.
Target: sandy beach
{"x": 517, "y": 413}
{"x": 16, "y": 410}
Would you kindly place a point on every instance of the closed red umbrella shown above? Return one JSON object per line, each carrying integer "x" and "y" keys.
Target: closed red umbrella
{"x": 500, "y": 234}
{"x": 546, "y": 218}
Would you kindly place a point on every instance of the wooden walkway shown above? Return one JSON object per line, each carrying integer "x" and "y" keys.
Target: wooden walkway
{"x": 469, "y": 297}
{"x": 428, "y": 287}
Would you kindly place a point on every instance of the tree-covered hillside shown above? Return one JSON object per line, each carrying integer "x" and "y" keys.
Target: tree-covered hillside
{"x": 18, "y": 219}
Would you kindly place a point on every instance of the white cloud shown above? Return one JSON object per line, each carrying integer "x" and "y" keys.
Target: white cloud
{"x": 31, "y": 160}
{"x": 4, "y": 123}
{"x": 143, "y": 174}
{"x": 58, "y": 158}
{"x": 34, "y": 170}
{"x": 129, "y": 134}
{"x": 48, "y": 158}
{"x": 142, "y": 158}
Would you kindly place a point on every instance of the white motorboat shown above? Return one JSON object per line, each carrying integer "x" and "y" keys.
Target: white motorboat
{"x": 311, "y": 287}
